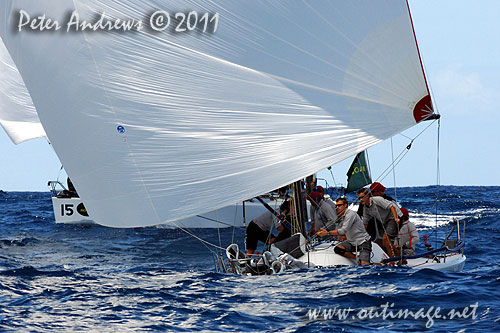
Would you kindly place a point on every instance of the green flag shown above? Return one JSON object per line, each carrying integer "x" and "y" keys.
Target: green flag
{"x": 358, "y": 174}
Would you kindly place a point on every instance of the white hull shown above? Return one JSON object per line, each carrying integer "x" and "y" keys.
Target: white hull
{"x": 323, "y": 255}
{"x": 69, "y": 210}
{"x": 72, "y": 211}
{"x": 453, "y": 262}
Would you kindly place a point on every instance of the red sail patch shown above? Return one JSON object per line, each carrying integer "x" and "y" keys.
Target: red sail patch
{"x": 423, "y": 109}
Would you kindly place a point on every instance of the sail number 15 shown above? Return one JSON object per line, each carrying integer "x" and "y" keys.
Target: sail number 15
{"x": 67, "y": 209}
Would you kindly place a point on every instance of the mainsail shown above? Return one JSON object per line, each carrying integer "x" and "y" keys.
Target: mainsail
{"x": 18, "y": 116}
{"x": 155, "y": 126}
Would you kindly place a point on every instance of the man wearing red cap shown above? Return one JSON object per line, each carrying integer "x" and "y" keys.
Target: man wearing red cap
{"x": 312, "y": 209}
{"x": 407, "y": 236}
{"x": 323, "y": 215}
{"x": 378, "y": 190}
{"x": 328, "y": 200}
{"x": 381, "y": 210}
{"x": 374, "y": 227}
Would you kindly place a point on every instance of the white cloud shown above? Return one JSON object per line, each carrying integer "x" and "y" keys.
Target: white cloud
{"x": 461, "y": 84}
{"x": 464, "y": 91}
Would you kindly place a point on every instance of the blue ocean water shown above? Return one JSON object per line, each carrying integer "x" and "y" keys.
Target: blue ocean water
{"x": 92, "y": 278}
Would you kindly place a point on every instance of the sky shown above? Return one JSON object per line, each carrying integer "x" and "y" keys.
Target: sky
{"x": 459, "y": 44}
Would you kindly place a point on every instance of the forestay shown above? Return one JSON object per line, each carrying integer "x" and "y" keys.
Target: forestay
{"x": 157, "y": 126}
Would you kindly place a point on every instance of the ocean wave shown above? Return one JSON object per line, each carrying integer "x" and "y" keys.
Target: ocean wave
{"x": 19, "y": 242}
{"x": 90, "y": 278}
{"x": 30, "y": 272}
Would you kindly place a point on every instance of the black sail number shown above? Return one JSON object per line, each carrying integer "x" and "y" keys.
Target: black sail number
{"x": 67, "y": 209}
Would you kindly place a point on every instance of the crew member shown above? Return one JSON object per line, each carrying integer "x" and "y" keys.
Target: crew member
{"x": 384, "y": 210}
{"x": 323, "y": 214}
{"x": 261, "y": 229}
{"x": 407, "y": 236}
{"x": 374, "y": 227}
{"x": 350, "y": 225}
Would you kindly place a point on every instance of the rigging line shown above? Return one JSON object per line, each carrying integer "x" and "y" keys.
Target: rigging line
{"x": 234, "y": 221}
{"x": 275, "y": 218}
{"x": 425, "y": 128}
{"x": 204, "y": 242}
{"x": 438, "y": 177}
{"x": 369, "y": 174}
{"x": 386, "y": 172}
{"x": 62, "y": 166}
{"x": 244, "y": 214}
{"x": 267, "y": 245}
{"x": 368, "y": 163}
{"x": 398, "y": 158}
{"x": 405, "y": 136}
{"x": 403, "y": 151}
{"x": 334, "y": 182}
{"x": 393, "y": 171}
{"x": 214, "y": 220}
{"x": 218, "y": 229}
{"x": 59, "y": 173}
{"x": 395, "y": 165}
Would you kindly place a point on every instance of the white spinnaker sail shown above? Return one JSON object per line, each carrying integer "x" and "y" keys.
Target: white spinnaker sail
{"x": 155, "y": 127}
{"x": 18, "y": 116}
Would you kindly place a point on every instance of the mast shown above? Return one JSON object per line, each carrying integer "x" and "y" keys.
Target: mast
{"x": 300, "y": 206}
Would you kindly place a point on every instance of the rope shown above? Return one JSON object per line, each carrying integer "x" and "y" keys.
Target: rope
{"x": 59, "y": 174}
{"x": 272, "y": 227}
{"x": 334, "y": 182}
{"x": 398, "y": 159}
{"x": 218, "y": 229}
{"x": 234, "y": 222}
{"x": 401, "y": 155}
{"x": 438, "y": 177}
{"x": 204, "y": 242}
{"x": 394, "y": 171}
{"x": 368, "y": 162}
{"x": 213, "y": 220}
